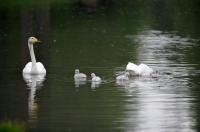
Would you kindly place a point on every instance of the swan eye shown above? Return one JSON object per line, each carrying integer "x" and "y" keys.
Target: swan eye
{"x": 33, "y": 40}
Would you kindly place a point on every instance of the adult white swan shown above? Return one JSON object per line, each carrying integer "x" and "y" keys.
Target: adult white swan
{"x": 141, "y": 70}
{"x": 33, "y": 67}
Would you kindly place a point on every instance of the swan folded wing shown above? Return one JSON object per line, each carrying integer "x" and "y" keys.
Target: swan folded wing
{"x": 145, "y": 70}
{"x": 131, "y": 66}
{"x": 80, "y": 77}
{"x": 40, "y": 68}
{"x": 132, "y": 69}
{"x": 27, "y": 68}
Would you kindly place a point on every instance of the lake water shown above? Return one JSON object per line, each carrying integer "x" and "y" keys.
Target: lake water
{"x": 165, "y": 35}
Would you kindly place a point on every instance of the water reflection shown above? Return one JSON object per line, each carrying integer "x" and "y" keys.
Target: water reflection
{"x": 34, "y": 83}
{"x": 158, "y": 108}
{"x": 164, "y": 102}
{"x": 122, "y": 83}
{"x": 78, "y": 83}
{"x": 95, "y": 85}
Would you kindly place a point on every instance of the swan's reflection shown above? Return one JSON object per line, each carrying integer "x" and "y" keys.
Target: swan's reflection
{"x": 34, "y": 82}
{"x": 79, "y": 82}
{"x": 95, "y": 84}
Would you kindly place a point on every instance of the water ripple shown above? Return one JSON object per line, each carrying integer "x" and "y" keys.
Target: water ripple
{"x": 164, "y": 102}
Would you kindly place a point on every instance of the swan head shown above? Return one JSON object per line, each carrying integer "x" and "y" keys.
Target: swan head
{"x": 32, "y": 40}
{"x": 93, "y": 75}
{"x": 77, "y": 71}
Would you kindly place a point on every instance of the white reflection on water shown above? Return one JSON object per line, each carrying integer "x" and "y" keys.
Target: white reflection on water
{"x": 95, "y": 84}
{"x": 78, "y": 83}
{"x": 163, "y": 103}
{"x": 34, "y": 83}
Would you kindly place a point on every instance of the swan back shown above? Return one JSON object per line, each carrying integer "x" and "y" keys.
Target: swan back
{"x": 39, "y": 68}
{"x": 79, "y": 76}
{"x": 27, "y": 68}
{"x": 141, "y": 70}
{"x": 123, "y": 77}
{"x": 145, "y": 70}
{"x": 131, "y": 66}
{"x": 132, "y": 69}
{"x": 95, "y": 78}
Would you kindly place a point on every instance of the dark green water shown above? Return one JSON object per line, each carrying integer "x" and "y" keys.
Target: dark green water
{"x": 162, "y": 34}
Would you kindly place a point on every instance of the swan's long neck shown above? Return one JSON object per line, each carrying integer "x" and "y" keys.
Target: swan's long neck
{"x": 32, "y": 54}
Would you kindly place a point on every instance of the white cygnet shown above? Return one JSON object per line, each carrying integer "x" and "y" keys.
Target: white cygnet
{"x": 95, "y": 78}
{"x": 124, "y": 77}
{"x": 79, "y": 76}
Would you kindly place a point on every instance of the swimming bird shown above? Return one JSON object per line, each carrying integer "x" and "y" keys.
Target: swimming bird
{"x": 33, "y": 67}
{"x": 79, "y": 76}
{"x": 131, "y": 68}
{"x": 124, "y": 77}
{"x": 141, "y": 70}
{"x": 144, "y": 70}
{"x": 95, "y": 78}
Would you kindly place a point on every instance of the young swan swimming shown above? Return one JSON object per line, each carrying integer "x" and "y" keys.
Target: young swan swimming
{"x": 95, "y": 78}
{"x": 124, "y": 77}
{"x": 79, "y": 76}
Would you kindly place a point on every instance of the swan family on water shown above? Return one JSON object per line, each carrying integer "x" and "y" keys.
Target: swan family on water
{"x": 83, "y": 77}
{"x": 37, "y": 68}
{"x": 132, "y": 70}
{"x": 34, "y": 74}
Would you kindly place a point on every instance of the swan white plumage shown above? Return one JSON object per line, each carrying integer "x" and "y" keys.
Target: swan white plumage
{"x": 131, "y": 66}
{"x": 141, "y": 70}
{"x": 95, "y": 78}
{"x": 33, "y": 67}
{"x": 144, "y": 70}
{"x": 132, "y": 69}
{"x": 79, "y": 76}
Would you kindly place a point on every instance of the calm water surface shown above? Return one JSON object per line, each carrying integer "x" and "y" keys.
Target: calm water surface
{"x": 163, "y": 35}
